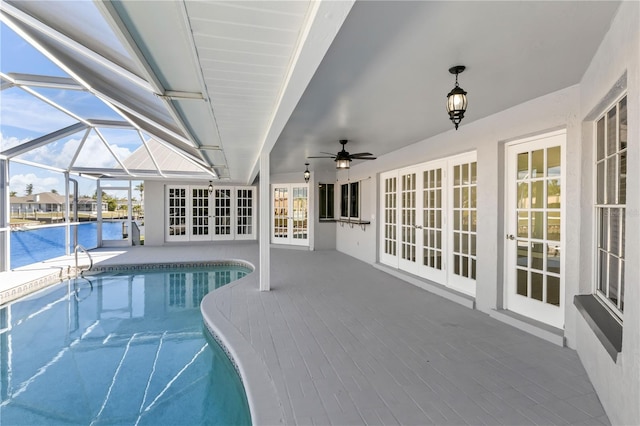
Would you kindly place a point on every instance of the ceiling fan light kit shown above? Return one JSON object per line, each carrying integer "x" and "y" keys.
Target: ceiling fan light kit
{"x": 343, "y": 158}
{"x": 456, "y": 99}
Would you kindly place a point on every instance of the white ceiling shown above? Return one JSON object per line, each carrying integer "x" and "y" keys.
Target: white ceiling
{"x": 241, "y": 77}
{"x": 384, "y": 81}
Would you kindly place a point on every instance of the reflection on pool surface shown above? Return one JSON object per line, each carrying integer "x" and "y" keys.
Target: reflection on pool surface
{"x": 119, "y": 349}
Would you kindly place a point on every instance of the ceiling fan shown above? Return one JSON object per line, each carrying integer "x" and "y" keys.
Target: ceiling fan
{"x": 343, "y": 158}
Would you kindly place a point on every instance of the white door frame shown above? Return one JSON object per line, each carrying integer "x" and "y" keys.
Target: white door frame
{"x": 538, "y": 310}
{"x": 410, "y": 211}
{"x": 433, "y": 273}
{"x": 209, "y": 215}
{"x": 123, "y": 242}
{"x": 458, "y": 281}
{"x": 389, "y": 225}
{"x": 290, "y": 216}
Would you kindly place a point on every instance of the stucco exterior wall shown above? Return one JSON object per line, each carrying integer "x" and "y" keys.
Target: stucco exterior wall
{"x": 154, "y": 210}
{"x": 617, "y": 383}
{"x": 487, "y": 137}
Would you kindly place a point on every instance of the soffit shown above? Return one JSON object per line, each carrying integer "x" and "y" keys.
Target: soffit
{"x": 383, "y": 83}
{"x": 236, "y": 55}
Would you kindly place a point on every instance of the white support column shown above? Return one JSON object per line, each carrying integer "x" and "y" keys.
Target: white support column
{"x": 5, "y": 217}
{"x": 99, "y": 212}
{"x": 265, "y": 223}
{"x": 67, "y": 226}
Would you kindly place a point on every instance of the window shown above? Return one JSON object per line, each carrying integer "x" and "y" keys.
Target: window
{"x": 350, "y": 200}
{"x": 326, "y": 201}
{"x": 611, "y": 189}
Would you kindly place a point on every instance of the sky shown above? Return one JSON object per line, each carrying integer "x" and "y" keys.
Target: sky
{"x": 23, "y": 117}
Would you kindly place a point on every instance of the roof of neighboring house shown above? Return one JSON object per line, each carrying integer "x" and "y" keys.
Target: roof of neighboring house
{"x": 40, "y": 198}
{"x": 85, "y": 200}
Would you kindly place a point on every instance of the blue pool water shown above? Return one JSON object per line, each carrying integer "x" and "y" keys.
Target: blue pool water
{"x": 119, "y": 349}
{"x": 37, "y": 245}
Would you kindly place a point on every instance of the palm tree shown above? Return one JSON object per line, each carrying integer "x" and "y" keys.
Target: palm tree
{"x": 29, "y": 189}
{"x": 13, "y": 194}
{"x": 140, "y": 188}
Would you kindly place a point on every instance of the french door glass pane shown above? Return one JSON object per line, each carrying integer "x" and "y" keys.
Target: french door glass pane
{"x": 432, "y": 206}
{"x": 281, "y": 213}
{"x": 408, "y": 190}
{"x": 464, "y": 219}
{"x": 244, "y": 211}
{"x": 553, "y": 290}
{"x": 200, "y": 211}
{"x": 177, "y": 211}
{"x": 300, "y": 200}
{"x": 390, "y": 216}
{"x": 222, "y": 212}
{"x": 539, "y": 190}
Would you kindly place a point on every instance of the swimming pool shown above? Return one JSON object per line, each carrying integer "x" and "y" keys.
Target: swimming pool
{"x": 119, "y": 348}
{"x": 37, "y": 245}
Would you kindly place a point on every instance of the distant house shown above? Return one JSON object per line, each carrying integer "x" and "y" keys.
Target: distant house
{"x": 51, "y": 202}
{"x": 88, "y": 204}
{"x": 42, "y": 202}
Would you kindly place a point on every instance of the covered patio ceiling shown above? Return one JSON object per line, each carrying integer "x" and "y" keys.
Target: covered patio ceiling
{"x": 217, "y": 83}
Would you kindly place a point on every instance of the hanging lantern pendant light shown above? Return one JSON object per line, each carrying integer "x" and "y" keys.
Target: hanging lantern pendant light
{"x": 307, "y": 173}
{"x": 456, "y": 99}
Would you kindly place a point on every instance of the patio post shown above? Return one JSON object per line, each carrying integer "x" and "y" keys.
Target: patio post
{"x": 265, "y": 223}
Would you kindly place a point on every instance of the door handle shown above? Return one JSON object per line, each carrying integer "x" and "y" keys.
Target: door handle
{"x": 510, "y": 237}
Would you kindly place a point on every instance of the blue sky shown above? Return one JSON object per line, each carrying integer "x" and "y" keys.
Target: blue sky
{"x": 23, "y": 117}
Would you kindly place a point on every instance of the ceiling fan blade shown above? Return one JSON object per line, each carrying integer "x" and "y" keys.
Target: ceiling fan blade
{"x": 365, "y": 158}
{"x": 360, "y": 154}
{"x": 333, "y": 156}
{"x": 328, "y": 153}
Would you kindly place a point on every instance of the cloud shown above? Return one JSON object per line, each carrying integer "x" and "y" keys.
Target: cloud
{"x": 18, "y": 183}
{"x": 93, "y": 153}
{"x": 7, "y": 142}
{"x": 23, "y": 111}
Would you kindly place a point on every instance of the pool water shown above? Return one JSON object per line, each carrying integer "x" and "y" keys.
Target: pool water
{"x": 119, "y": 349}
{"x": 37, "y": 245}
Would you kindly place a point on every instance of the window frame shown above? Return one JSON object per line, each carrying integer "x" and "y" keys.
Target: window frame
{"x": 605, "y": 207}
{"x": 326, "y": 202}
{"x": 350, "y": 200}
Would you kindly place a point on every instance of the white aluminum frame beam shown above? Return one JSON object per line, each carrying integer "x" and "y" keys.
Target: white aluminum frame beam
{"x": 72, "y": 44}
{"x": 11, "y": 12}
{"x": 46, "y": 81}
{"x": 43, "y": 140}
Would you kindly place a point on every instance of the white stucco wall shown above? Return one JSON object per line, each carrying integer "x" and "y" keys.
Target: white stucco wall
{"x": 487, "y": 137}
{"x": 325, "y": 232}
{"x": 154, "y": 209}
{"x": 617, "y": 383}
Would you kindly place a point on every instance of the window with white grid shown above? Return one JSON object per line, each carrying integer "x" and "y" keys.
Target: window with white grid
{"x": 611, "y": 198}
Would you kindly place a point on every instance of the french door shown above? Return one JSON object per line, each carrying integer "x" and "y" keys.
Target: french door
{"x": 534, "y": 234}
{"x": 416, "y": 236}
{"x": 195, "y": 214}
{"x": 290, "y": 207}
{"x": 211, "y": 214}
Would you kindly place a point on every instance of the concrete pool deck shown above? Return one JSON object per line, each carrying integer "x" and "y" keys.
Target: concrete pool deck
{"x": 339, "y": 342}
